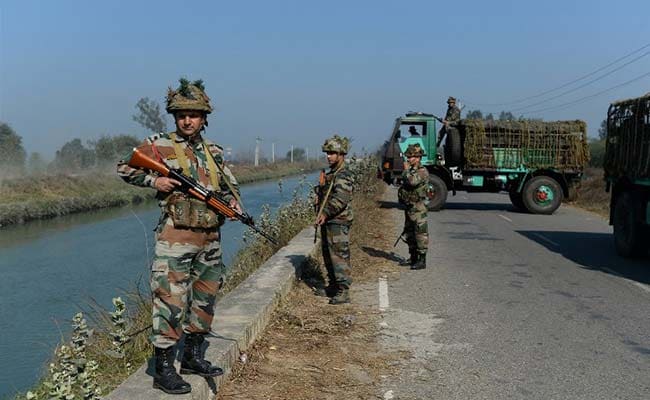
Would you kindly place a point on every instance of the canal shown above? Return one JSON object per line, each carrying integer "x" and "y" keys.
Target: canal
{"x": 53, "y": 269}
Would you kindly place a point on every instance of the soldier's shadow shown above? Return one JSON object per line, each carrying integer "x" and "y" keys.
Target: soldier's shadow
{"x": 392, "y": 256}
{"x": 389, "y": 204}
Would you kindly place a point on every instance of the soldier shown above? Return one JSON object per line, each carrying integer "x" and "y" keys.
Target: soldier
{"x": 187, "y": 269}
{"x": 413, "y": 194}
{"x": 452, "y": 117}
{"x": 335, "y": 218}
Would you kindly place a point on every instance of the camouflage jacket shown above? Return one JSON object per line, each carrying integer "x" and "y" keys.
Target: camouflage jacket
{"x": 415, "y": 183}
{"x": 160, "y": 146}
{"x": 338, "y": 208}
{"x": 453, "y": 115}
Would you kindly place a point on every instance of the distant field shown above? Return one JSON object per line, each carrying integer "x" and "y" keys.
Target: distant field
{"x": 47, "y": 196}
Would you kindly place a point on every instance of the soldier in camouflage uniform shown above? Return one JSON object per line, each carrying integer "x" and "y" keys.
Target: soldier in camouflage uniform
{"x": 413, "y": 194}
{"x": 187, "y": 269}
{"x": 452, "y": 117}
{"x": 335, "y": 218}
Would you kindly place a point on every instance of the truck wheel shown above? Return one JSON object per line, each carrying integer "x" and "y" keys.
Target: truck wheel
{"x": 453, "y": 148}
{"x": 438, "y": 196}
{"x": 542, "y": 195}
{"x": 628, "y": 232}
{"x": 517, "y": 200}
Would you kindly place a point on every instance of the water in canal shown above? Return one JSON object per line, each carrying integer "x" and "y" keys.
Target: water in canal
{"x": 52, "y": 269}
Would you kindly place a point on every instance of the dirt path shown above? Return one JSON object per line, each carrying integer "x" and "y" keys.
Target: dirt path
{"x": 313, "y": 350}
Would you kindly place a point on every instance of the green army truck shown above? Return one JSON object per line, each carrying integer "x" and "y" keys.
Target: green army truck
{"x": 627, "y": 174}
{"x": 538, "y": 163}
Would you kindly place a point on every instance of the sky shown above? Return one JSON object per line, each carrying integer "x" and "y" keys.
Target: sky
{"x": 295, "y": 72}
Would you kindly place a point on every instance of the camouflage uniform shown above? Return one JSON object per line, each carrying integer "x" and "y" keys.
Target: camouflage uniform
{"x": 452, "y": 117}
{"x": 187, "y": 269}
{"x": 335, "y": 232}
{"x": 413, "y": 194}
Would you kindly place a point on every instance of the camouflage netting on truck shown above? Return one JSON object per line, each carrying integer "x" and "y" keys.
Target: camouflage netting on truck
{"x": 525, "y": 144}
{"x": 628, "y": 139}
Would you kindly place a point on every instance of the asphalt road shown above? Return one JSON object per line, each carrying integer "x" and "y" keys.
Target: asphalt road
{"x": 519, "y": 306}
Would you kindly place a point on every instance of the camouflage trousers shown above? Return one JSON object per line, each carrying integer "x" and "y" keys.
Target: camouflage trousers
{"x": 186, "y": 273}
{"x": 335, "y": 245}
{"x": 416, "y": 228}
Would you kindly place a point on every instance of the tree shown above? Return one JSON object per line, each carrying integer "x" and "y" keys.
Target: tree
{"x": 149, "y": 115}
{"x": 597, "y": 152}
{"x": 36, "y": 163}
{"x": 73, "y": 156}
{"x": 12, "y": 153}
{"x": 474, "y": 114}
{"x": 602, "y": 131}
{"x": 489, "y": 117}
{"x": 298, "y": 154}
{"x": 506, "y": 116}
{"x": 109, "y": 149}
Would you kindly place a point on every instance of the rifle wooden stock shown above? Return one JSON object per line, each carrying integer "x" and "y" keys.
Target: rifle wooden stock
{"x": 195, "y": 189}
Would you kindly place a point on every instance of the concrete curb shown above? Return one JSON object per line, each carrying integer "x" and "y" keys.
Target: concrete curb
{"x": 240, "y": 316}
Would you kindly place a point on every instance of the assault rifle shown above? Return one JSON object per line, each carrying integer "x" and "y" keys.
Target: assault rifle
{"x": 320, "y": 199}
{"x": 195, "y": 189}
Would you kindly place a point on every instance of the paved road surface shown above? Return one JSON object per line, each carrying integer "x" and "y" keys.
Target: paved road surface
{"x": 519, "y": 306}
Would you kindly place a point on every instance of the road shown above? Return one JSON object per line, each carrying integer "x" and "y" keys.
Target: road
{"x": 518, "y": 306}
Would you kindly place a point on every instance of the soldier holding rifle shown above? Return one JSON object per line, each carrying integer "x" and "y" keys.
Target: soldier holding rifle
{"x": 335, "y": 217}
{"x": 413, "y": 195}
{"x": 187, "y": 269}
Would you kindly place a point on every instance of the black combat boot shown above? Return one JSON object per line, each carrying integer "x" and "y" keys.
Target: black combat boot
{"x": 421, "y": 262}
{"x": 328, "y": 291}
{"x": 193, "y": 361}
{"x": 412, "y": 259}
{"x": 342, "y": 296}
{"x": 166, "y": 378}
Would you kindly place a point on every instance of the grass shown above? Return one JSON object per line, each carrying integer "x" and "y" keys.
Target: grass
{"x": 592, "y": 195}
{"x": 49, "y": 196}
{"x": 290, "y": 219}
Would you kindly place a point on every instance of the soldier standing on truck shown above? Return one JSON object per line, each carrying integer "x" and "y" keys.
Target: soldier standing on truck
{"x": 187, "y": 268}
{"x": 413, "y": 194}
{"x": 335, "y": 218}
{"x": 452, "y": 117}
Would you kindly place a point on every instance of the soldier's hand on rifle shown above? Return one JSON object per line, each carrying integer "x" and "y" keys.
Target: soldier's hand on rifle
{"x": 234, "y": 204}
{"x": 321, "y": 219}
{"x": 406, "y": 165}
{"x": 164, "y": 184}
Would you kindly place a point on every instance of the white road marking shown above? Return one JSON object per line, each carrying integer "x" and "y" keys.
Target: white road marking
{"x": 547, "y": 240}
{"x": 640, "y": 285}
{"x": 383, "y": 294}
{"x": 504, "y": 217}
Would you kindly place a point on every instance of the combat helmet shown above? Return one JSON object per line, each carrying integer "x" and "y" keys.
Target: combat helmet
{"x": 189, "y": 96}
{"x": 451, "y": 100}
{"x": 414, "y": 150}
{"x": 336, "y": 144}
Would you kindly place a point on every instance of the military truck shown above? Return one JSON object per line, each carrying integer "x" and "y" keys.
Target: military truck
{"x": 627, "y": 174}
{"x": 537, "y": 163}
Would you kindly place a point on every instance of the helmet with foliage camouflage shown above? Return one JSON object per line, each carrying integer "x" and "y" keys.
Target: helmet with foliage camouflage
{"x": 336, "y": 144}
{"x": 189, "y": 96}
{"x": 414, "y": 150}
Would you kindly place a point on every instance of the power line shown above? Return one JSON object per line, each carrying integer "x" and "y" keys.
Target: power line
{"x": 583, "y": 85}
{"x": 566, "y": 84}
{"x": 590, "y": 96}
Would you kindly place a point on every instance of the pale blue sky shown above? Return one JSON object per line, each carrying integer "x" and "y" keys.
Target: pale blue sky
{"x": 294, "y": 72}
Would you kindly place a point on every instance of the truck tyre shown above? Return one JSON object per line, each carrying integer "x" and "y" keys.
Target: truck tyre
{"x": 453, "y": 148}
{"x": 628, "y": 232}
{"x": 542, "y": 195}
{"x": 517, "y": 200}
{"x": 439, "y": 191}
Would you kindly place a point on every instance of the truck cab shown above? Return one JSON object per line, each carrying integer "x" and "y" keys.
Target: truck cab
{"x": 493, "y": 156}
